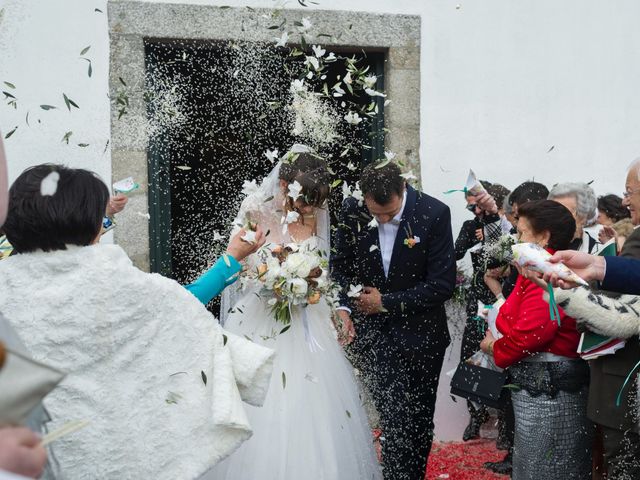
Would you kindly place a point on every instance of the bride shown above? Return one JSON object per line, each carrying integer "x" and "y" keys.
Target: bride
{"x": 312, "y": 425}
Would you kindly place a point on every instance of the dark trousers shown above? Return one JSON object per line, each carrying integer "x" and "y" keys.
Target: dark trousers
{"x": 404, "y": 390}
{"x": 621, "y": 454}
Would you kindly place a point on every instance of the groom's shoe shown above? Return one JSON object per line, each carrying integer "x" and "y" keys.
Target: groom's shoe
{"x": 473, "y": 429}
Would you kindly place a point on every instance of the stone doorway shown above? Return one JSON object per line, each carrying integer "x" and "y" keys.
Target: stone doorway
{"x": 133, "y": 25}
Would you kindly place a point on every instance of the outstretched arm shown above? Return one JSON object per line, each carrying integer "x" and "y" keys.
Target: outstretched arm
{"x": 225, "y": 271}
{"x": 603, "y": 315}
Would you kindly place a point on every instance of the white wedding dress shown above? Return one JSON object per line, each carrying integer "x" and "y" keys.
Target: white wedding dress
{"x": 312, "y": 425}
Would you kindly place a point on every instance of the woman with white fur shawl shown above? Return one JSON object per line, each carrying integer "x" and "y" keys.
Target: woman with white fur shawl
{"x": 159, "y": 381}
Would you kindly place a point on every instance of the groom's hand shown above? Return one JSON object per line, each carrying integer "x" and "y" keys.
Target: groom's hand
{"x": 370, "y": 301}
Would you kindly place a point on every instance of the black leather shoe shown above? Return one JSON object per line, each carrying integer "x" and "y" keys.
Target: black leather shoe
{"x": 503, "y": 442}
{"x": 503, "y": 468}
{"x": 473, "y": 429}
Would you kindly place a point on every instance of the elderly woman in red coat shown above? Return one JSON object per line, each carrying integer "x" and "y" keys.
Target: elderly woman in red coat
{"x": 553, "y": 435}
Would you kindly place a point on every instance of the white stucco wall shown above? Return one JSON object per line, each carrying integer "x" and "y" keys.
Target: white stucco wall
{"x": 502, "y": 82}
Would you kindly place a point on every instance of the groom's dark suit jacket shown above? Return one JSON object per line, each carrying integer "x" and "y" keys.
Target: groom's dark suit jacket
{"x": 420, "y": 278}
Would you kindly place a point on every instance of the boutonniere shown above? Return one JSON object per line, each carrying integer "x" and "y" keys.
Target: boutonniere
{"x": 411, "y": 240}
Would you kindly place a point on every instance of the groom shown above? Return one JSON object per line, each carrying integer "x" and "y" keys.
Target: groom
{"x": 399, "y": 248}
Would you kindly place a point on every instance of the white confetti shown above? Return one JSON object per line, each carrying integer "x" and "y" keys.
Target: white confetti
{"x": 49, "y": 184}
{"x": 318, "y": 51}
{"x": 409, "y": 176}
{"x": 249, "y": 187}
{"x": 373, "y": 248}
{"x": 370, "y": 81}
{"x": 282, "y": 40}
{"x": 313, "y": 62}
{"x": 291, "y": 217}
{"x": 352, "y": 118}
{"x": 305, "y": 25}
{"x": 354, "y": 291}
{"x": 272, "y": 155}
{"x": 249, "y": 236}
{"x": 295, "y": 190}
{"x": 373, "y": 93}
{"x": 310, "y": 378}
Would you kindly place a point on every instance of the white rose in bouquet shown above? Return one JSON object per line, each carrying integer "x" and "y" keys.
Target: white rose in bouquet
{"x": 298, "y": 264}
{"x": 298, "y": 287}
{"x": 273, "y": 273}
{"x": 323, "y": 280}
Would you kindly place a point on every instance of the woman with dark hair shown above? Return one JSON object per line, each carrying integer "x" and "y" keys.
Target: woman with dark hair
{"x": 137, "y": 347}
{"x": 611, "y": 210}
{"x": 552, "y": 433}
{"x": 313, "y": 424}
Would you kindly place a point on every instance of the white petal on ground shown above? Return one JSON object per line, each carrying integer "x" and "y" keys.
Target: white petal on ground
{"x": 389, "y": 155}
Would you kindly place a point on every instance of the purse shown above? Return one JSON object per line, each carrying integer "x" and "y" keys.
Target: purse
{"x": 479, "y": 384}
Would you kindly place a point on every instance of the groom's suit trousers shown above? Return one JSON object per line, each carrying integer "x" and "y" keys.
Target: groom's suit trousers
{"x": 404, "y": 392}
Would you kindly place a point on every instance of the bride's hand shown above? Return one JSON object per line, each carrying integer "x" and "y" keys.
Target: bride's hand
{"x": 346, "y": 330}
{"x": 239, "y": 248}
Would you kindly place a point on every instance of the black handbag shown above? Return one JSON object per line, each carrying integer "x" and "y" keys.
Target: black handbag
{"x": 479, "y": 384}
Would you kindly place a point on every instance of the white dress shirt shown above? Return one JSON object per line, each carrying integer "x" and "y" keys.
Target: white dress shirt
{"x": 388, "y": 233}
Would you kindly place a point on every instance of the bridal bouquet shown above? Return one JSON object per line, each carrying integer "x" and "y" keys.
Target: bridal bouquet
{"x": 499, "y": 253}
{"x": 292, "y": 275}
